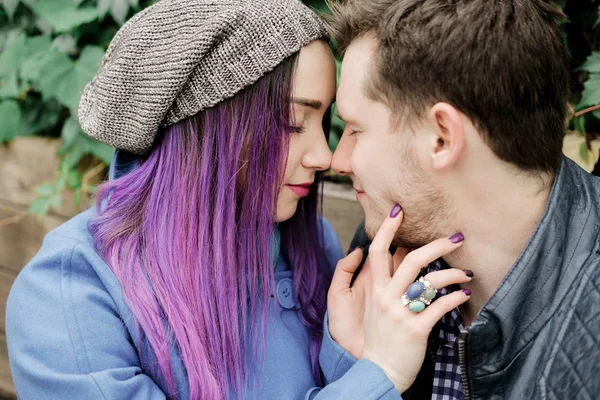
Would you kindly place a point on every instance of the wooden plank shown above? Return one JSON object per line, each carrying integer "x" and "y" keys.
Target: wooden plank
{"x": 25, "y": 164}
{"x": 7, "y": 389}
{"x": 343, "y": 213}
{"x": 7, "y": 277}
{"x": 21, "y": 240}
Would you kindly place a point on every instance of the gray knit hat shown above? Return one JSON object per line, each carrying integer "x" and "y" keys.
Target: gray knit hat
{"x": 178, "y": 57}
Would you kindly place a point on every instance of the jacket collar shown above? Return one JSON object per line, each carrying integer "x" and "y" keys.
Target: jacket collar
{"x": 544, "y": 273}
{"x": 123, "y": 162}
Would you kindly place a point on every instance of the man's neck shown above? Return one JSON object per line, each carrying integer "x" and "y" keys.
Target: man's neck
{"x": 497, "y": 219}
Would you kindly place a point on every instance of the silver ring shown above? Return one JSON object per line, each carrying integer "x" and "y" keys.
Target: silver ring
{"x": 419, "y": 295}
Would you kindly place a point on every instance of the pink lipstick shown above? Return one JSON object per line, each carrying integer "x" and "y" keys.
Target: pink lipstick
{"x": 300, "y": 190}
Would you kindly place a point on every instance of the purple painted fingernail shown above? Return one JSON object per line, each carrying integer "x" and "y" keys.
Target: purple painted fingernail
{"x": 395, "y": 211}
{"x": 467, "y": 292}
{"x": 457, "y": 238}
{"x": 468, "y": 273}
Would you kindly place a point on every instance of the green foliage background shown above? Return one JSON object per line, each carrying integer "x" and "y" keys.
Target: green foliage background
{"x": 49, "y": 50}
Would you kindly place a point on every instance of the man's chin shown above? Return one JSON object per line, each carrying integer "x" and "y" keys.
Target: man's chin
{"x": 401, "y": 238}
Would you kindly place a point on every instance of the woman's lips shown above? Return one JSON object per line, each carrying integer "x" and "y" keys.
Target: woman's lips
{"x": 300, "y": 190}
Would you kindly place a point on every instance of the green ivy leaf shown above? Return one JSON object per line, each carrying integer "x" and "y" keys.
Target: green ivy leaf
{"x": 39, "y": 206}
{"x": 10, "y": 115}
{"x": 45, "y": 190}
{"x": 56, "y": 78}
{"x": 76, "y": 144}
{"x": 77, "y": 198}
{"x": 318, "y": 5}
{"x": 55, "y": 200}
{"x": 38, "y": 116}
{"x": 10, "y": 6}
{"x": 592, "y": 63}
{"x": 70, "y": 132}
{"x": 103, "y": 7}
{"x": 14, "y": 53}
{"x": 64, "y": 15}
{"x": 591, "y": 92}
{"x": 584, "y": 152}
{"x": 579, "y": 124}
{"x": 44, "y": 26}
{"x": 65, "y": 80}
{"x": 9, "y": 86}
{"x": 101, "y": 151}
{"x": 65, "y": 43}
{"x": 38, "y": 48}
{"x": 118, "y": 9}
{"x": 89, "y": 61}
{"x": 74, "y": 179}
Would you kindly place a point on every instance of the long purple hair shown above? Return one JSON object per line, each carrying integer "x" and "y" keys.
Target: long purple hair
{"x": 189, "y": 235}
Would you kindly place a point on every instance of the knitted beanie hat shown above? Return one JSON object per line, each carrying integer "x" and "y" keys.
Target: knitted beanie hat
{"x": 178, "y": 57}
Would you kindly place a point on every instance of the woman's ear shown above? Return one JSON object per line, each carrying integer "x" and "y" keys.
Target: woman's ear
{"x": 449, "y": 135}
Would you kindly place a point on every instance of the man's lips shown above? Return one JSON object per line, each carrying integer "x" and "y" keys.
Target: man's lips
{"x": 301, "y": 189}
{"x": 359, "y": 193}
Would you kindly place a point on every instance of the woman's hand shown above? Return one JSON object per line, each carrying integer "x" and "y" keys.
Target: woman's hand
{"x": 394, "y": 337}
{"x": 346, "y": 304}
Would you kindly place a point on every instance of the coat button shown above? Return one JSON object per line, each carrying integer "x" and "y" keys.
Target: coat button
{"x": 285, "y": 293}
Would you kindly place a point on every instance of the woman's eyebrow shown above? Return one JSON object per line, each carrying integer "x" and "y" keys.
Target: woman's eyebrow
{"x": 314, "y": 104}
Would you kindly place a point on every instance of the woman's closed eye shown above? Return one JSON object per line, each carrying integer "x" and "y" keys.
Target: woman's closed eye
{"x": 298, "y": 129}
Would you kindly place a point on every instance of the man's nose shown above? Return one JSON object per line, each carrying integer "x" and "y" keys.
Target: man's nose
{"x": 341, "y": 158}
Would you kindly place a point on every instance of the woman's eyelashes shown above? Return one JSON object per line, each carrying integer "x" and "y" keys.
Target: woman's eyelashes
{"x": 297, "y": 129}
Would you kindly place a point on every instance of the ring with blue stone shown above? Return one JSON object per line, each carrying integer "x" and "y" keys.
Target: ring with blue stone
{"x": 419, "y": 295}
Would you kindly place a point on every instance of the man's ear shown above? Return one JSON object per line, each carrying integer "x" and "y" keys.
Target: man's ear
{"x": 448, "y": 135}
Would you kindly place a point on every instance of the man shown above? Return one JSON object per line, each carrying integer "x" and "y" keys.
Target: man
{"x": 456, "y": 111}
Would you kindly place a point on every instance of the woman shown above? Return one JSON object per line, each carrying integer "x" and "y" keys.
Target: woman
{"x": 158, "y": 277}
{"x": 203, "y": 272}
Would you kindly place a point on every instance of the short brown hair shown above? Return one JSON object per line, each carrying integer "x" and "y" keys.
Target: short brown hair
{"x": 502, "y": 63}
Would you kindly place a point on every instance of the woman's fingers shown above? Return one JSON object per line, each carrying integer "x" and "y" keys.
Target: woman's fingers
{"x": 443, "y": 305}
{"x": 417, "y": 259}
{"x": 447, "y": 277}
{"x": 344, "y": 271}
{"x": 398, "y": 257}
{"x": 379, "y": 249}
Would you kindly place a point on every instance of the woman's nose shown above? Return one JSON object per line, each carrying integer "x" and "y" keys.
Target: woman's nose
{"x": 319, "y": 156}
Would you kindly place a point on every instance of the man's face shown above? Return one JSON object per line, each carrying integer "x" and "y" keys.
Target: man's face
{"x": 387, "y": 165}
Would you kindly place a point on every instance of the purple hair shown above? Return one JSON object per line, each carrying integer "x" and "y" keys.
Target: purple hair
{"x": 189, "y": 235}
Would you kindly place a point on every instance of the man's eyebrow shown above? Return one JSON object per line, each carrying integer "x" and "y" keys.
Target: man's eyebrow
{"x": 314, "y": 104}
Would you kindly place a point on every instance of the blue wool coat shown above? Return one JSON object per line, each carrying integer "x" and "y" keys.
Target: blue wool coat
{"x": 71, "y": 334}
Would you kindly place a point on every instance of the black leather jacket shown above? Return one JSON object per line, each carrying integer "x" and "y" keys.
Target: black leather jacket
{"x": 538, "y": 336}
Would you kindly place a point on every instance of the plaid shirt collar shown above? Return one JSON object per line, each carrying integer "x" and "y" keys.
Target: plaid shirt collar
{"x": 443, "y": 348}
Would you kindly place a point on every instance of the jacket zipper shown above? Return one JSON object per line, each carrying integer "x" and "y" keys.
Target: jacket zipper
{"x": 462, "y": 340}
